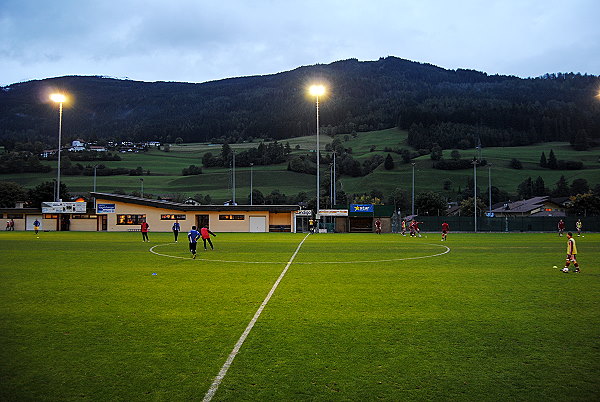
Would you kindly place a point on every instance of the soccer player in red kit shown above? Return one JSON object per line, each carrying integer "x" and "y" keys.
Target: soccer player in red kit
{"x": 445, "y": 230}
{"x": 417, "y": 230}
{"x": 205, "y": 233}
{"x": 561, "y": 227}
{"x": 144, "y": 229}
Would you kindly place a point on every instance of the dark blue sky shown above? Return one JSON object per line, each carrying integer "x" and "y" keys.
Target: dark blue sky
{"x": 198, "y": 41}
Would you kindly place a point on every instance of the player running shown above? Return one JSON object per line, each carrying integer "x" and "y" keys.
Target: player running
{"x": 445, "y": 230}
{"x": 578, "y": 226}
{"x": 416, "y": 227}
{"x": 403, "y": 227}
{"x": 205, "y": 233}
{"x": 411, "y": 228}
{"x": 378, "y": 226}
{"x": 571, "y": 254}
{"x": 176, "y": 228}
{"x": 193, "y": 236}
{"x": 561, "y": 227}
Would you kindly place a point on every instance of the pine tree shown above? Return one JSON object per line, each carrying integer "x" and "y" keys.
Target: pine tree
{"x": 562, "y": 188}
{"x": 388, "y": 164}
{"x": 543, "y": 161}
{"x": 552, "y": 162}
{"x": 539, "y": 187}
{"x": 525, "y": 189}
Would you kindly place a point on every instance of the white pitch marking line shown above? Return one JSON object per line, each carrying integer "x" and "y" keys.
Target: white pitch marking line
{"x": 306, "y": 262}
{"x": 217, "y": 381}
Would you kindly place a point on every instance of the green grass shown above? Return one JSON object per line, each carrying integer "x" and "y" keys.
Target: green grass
{"x": 166, "y": 167}
{"x": 82, "y": 317}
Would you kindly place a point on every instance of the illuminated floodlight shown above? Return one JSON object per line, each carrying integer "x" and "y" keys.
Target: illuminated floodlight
{"x": 58, "y": 98}
{"x": 317, "y": 90}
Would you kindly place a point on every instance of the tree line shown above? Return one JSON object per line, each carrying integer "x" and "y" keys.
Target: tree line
{"x": 453, "y": 108}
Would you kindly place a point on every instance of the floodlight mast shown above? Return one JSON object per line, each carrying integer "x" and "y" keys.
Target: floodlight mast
{"x": 412, "y": 211}
{"x": 58, "y": 98}
{"x": 251, "y": 165}
{"x": 317, "y": 90}
{"x": 475, "y": 192}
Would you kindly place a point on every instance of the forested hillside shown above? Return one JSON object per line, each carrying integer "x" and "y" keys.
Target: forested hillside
{"x": 453, "y": 108}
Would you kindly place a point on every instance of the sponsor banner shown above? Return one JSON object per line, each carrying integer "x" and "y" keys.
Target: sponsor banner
{"x": 333, "y": 212}
{"x": 64, "y": 207}
{"x": 306, "y": 212}
{"x": 362, "y": 208}
{"x": 105, "y": 208}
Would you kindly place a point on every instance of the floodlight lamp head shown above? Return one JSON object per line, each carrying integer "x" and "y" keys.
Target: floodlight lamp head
{"x": 58, "y": 98}
{"x": 317, "y": 90}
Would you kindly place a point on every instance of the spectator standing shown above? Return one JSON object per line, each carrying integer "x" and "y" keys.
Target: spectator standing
{"x": 144, "y": 229}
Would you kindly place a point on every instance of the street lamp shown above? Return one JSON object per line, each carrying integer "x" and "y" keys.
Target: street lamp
{"x": 475, "y": 192}
{"x": 412, "y": 211}
{"x": 251, "y": 165}
{"x": 331, "y": 185}
{"x": 60, "y": 99}
{"x": 490, "y": 186}
{"x": 95, "y": 167}
{"x": 334, "y": 180}
{"x": 233, "y": 178}
{"x": 317, "y": 90}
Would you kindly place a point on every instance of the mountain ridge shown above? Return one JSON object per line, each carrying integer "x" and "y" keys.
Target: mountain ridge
{"x": 362, "y": 96}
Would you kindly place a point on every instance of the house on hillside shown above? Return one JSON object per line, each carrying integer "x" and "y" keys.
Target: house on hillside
{"x": 97, "y": 148}
{"x": 536, "y": 206}
{"x": 77, "y": 146}
{"x": 46, "y": 153}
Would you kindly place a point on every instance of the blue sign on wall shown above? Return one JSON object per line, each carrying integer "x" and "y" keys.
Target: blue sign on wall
{"x": 362, "y": 208}
{"x": 105, "y": 208}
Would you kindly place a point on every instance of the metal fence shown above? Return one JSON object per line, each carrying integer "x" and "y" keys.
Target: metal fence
{"x": 507, "y": 224}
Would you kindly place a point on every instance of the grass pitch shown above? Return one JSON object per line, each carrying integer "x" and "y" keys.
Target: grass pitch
{"x": 82, "y": 316}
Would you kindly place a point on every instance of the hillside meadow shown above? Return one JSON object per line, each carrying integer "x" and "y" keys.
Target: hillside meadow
{"x": 165, "y": 169}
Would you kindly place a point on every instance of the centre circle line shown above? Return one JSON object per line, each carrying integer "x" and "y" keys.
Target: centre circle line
{"x": 446, "y": 251}
{"x": 219, "y": 378}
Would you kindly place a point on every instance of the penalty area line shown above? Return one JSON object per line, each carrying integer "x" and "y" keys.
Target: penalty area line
{"x": 219, "y": 378}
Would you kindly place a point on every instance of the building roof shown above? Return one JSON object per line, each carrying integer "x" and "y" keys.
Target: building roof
{"x": 522, "y": 206}
{"x": 189, "y": 207}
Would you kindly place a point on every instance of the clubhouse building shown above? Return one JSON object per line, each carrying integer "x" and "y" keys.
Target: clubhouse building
{"x": 124, "y": 213}
{"x": 118, "y": 213}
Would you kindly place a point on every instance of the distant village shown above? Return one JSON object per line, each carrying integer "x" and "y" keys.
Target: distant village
{"x": 116, "y": 146}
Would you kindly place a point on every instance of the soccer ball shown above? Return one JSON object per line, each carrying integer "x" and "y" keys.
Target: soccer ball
{"x": 565, "y": 269}
{"x": 555, "y": 267}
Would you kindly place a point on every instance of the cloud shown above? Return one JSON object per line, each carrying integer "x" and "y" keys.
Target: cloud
{"x": 196, "y": 41}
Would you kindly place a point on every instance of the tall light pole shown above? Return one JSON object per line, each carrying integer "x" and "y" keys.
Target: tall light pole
{"x": 142, "y": 181}
{"x": 60, "y": 99}
{"x": 475, "y": 192}
{"x": 331, "y": 185}
{"x": 412, "y": 211}
{"x": 95, "y": 167}
{"x": 251, "y": 165}
{"x": 490, "y": 186}
{"x": 317, "y": 90}
{"x": 233, "y": 178}
{"x": 334, "y": 180}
